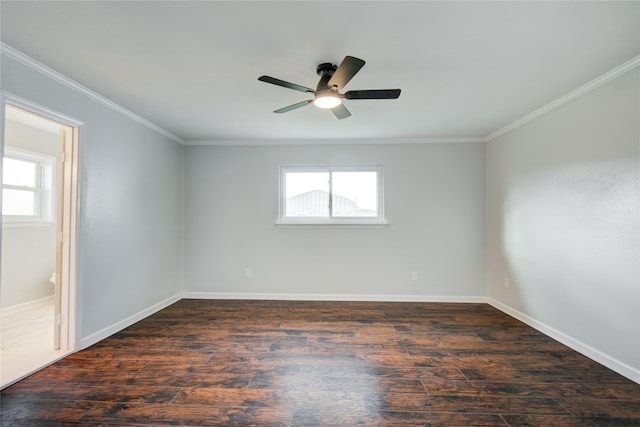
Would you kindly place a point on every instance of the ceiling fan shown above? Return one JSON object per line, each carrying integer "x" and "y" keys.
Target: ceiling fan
{"x": 332, "y": 80}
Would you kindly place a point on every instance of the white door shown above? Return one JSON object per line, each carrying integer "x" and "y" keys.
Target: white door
{"x": 65, "y": 236}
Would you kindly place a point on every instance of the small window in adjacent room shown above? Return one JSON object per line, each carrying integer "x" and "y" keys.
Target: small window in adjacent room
{"x": 340, "y": 195}
{"x": 27, "y": 186}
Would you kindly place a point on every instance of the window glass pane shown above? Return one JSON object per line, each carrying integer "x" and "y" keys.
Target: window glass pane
{"x": 19, "y": 172}
{"x": 355, "y": 194}
{"x": 307, "y": 194}
{"x": 19, "y": 202}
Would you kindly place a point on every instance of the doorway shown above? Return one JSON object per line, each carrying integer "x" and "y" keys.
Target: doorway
{"x": 37, "y": 286}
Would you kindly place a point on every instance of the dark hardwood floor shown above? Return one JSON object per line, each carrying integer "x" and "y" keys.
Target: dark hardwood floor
{"x": 278, "y": 363}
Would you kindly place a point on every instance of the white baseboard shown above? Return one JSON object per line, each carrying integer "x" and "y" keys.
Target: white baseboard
{"x": 118, "y": 326}
{"x": 615, "y": 365}
{"x": 16, "y": 308}
{"x": 333, "y": 297}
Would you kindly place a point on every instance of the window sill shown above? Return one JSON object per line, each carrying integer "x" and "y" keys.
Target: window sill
{"x": 332, "y": 224}
{"x": 21, "y": 224}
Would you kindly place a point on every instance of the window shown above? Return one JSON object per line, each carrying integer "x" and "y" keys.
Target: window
{"x": 27, "y": 186}
{"x": 339, "y": 195}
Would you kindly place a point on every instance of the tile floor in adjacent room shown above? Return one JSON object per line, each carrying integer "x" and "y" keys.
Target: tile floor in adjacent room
{"x": 26, "y": 341}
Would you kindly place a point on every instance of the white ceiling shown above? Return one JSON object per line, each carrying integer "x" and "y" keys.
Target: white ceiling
{"x": 466, "y": 69}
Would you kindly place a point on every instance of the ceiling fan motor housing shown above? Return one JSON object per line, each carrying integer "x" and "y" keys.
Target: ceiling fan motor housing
{"x": 326, "y": 71}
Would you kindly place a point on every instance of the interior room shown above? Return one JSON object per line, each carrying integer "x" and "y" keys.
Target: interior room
{"x": 500, "y": 146}
{"x": 27, "y": 305}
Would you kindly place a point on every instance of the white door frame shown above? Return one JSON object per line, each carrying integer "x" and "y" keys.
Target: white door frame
{"x": 68, "y": 169}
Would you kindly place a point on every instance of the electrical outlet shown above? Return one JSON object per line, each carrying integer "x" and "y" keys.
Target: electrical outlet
{"x": 506, "y": 283}
{"x": 414, "y": 275}
{"x": 248, "y": 272}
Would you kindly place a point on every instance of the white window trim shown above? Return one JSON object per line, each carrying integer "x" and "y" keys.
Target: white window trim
{"x": 283, "y": 221}
{"x": 45, "y": 190}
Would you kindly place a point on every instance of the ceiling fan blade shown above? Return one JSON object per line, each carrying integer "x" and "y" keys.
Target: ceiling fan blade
{"x": 341, "y": 112}
{"x": 373, "y": 94}
{"x": 345, "y": 72}
{"x": 294, "y": 106}
{"x": 278, "y": 82}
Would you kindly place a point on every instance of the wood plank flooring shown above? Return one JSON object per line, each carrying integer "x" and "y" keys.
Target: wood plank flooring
{"x": 285, "y": 363}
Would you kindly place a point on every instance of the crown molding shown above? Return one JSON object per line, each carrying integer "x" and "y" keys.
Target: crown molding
{"x": 23, "y": 59}
{"x": 577, "y": 93}
{"x": 298, "y": 142}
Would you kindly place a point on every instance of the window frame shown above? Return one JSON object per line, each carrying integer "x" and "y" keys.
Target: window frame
{"x": 331, "y": 220}
{"x": 44, "y": 189}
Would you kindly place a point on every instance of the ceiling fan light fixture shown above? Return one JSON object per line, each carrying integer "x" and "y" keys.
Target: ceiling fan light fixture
{"x": 327, "y": 93}
{"x": 327, "y": 101}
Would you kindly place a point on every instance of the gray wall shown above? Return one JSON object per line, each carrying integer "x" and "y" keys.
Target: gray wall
{"x": 434, "y": 197}
{"x": 130, "y": 205}
{"x": 28, "y": 251}
{"x": 564, "y": 222}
